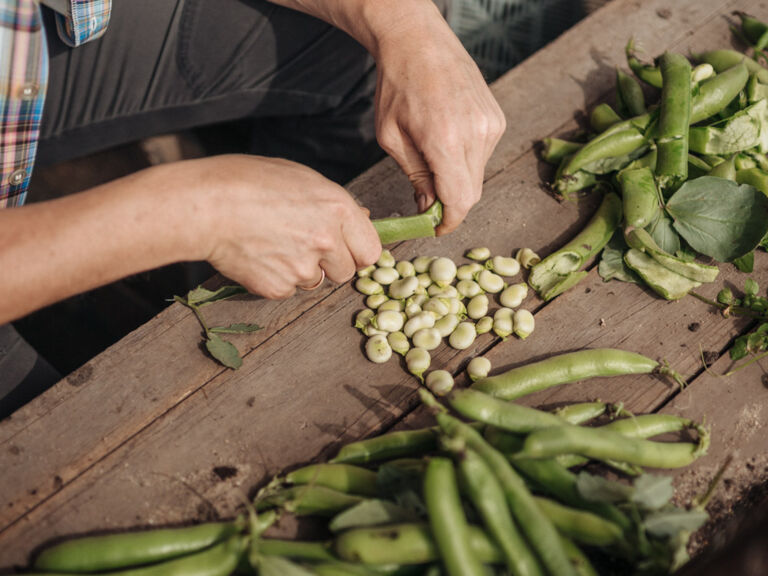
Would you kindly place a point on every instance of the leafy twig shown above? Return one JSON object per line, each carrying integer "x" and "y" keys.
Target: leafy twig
{"x": 221, "y": 350}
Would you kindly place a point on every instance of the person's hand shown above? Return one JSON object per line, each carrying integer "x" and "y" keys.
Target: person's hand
{"x": 434, "y": 112}
{"x": 275, "y": 224}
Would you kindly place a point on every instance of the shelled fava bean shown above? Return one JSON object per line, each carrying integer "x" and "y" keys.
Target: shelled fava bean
{"x": 412, "y": 306}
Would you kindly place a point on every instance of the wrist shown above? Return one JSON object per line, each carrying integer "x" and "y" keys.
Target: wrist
{"x": 183, "y": 196}
{"x": 380, "y": 23}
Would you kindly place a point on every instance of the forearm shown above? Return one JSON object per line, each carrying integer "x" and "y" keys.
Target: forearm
{"x": 53, "y": 250}
{"x": 369, "y": 21}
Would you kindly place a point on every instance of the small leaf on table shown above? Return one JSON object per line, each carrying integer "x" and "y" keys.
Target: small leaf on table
{"x": 652, "y": 492}
{"x": 745, "y": 263}
{"x": 201, "y": 296}
{"x": 236, "y": 329}
{"x": 223, "y": 351}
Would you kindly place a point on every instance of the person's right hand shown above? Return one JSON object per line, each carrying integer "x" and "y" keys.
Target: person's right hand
{"x": 273, "y": 224}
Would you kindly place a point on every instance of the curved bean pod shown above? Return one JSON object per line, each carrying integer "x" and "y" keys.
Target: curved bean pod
{"x": 308, "y": 500}
{"x": 342, "y": 477}
{"x": 500, "y": 413}
{"x": 406, "y": 544}
{"x": 538, "y": 529}
{"x": 609, "y": 445}
{"x": 569, "y": 367}
{"x": 487, "y": 497}
{"x": 401, "y": 444}
{"x": 115, "y": 551}
{"x": 447, "y": 520}
{"x": 582, "y": 526}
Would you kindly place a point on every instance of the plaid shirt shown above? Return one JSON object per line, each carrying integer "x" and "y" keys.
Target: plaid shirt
{"x": 24, "y": 78}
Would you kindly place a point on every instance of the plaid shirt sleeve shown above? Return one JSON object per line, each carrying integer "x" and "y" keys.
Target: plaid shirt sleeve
{"x": 85, "y": 21}
{"x": 23, "y": 77}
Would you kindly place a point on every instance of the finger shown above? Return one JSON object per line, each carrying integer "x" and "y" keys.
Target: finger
{"x": 360, "y": 240}
{"x": 339, "y": 266}
{"x": 415, "y": 167}
{"x": 458, "y": 190}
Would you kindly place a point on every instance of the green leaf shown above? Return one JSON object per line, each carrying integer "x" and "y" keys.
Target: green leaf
{"x": 223, "y": 351}
{"x": 279, "y": 566}
{"x": 756, "y": 342}
{"x": 745, "y": 263}
{"x": 739, "y": 349}
{"x": 235, "y": 329}
{"x": 201, "y": 296}
{"x": 718, "y": 217}
{"x": 612, "y": 264}
{"x": 371, "y": 513}
{"x": 599, "y": 489}
{"x": 751, "y": 287}
{"x": 669, "y": 523}
{"x": 664, "y": 234}
{"x": 652, "y": 492}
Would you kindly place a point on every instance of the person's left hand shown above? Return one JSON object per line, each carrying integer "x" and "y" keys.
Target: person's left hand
{"x": 435, "y": 114}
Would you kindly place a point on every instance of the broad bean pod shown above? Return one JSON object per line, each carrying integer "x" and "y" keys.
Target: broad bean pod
{"x": 569, "y": 367}
{"x": 342, "y": 477}
{"x": 116, "y": 551}
{"x": 487, "y": 497}
{"x": 447, "y": 521}
{"x": 609, "y": 445}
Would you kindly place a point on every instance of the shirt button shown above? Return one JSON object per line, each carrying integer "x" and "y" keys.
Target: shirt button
{"x": 17, "y": 177}
{"x": 29, "y": 91}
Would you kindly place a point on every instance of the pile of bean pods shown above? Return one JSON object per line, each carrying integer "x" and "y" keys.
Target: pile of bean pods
{"x": 495, "y": 487}
{"x": 683, "y": 178}
{"x": 411, "y": 306}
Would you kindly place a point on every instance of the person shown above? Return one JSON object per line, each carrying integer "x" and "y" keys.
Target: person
{"x": 328, "y": 81}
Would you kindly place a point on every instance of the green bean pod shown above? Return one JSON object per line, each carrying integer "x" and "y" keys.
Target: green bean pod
{"x": 646, "y": 72}
{"x": 591, "y": 156}
{"x": 556, "y": 480}
{"x": 602, "y": 118}
{"x": 342, "y": 477}
{"x": 116, "y": 551}
{"x": 629, "y": 94}
{"x": 721, "y": 60}
{"x": 553, "y": 150}
{"x": 308, "y": 500}
{"x": 565, "y": 368}
{"x": 218, "y": 560}
{"x": 487, "y": 497}
{"x": 660, "y": 279}
{"x": 295, "y": 549}
{"x": 447, "y": 520}
{"x": 641, "y": 240}
{"x": 581, "y": 526}
{"x": 337, "y": 568}
{"x": 717, "y": 92}
{"x": 517, "y": 418}
{"x": 609, "y": 445}
{"x": 538, "y": 529}
{"x": 580, "y": 562}
{"x": 406, "y": 544}
{"x": 409, "y": 227}
{"x": 640, "y": 199}
{"x": 582, "y": 412}
{"x": 754, "y": 177}
{"x": 674, "y": 119}
{"x": 400, "y": 444}
{"x": 560, "y": 270}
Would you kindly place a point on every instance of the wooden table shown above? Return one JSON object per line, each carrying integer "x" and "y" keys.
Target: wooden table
{"x": 152, "y": 432}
